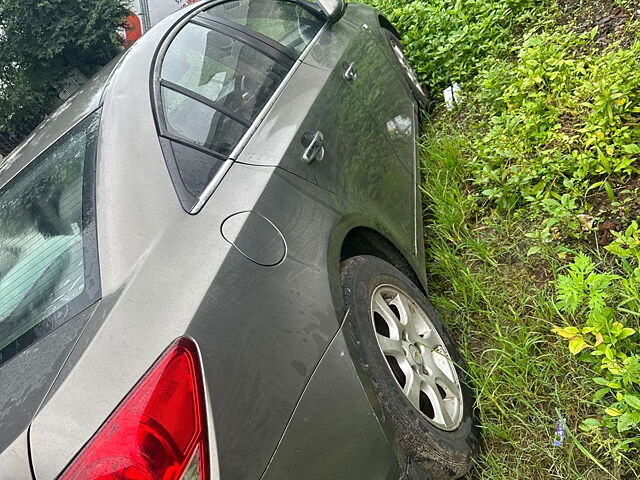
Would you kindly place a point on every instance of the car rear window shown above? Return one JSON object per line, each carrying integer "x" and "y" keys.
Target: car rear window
{"x": 48, "y": 271}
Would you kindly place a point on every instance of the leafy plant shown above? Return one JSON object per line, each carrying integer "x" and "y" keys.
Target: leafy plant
{"x": 601, "y": 338}
{"x": 448, "y": 40}
{"x": 627, "y": 244}
{"x": 565, "y": 120}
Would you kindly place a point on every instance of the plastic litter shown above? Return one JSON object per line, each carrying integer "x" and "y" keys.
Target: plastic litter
{"x": 452, "y": 95}
{"x": 560, "y": 433}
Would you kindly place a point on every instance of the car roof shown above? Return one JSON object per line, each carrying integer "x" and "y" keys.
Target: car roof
{"x": 82, "y": 103}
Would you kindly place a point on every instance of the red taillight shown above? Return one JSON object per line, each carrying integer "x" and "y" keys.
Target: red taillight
{"x": 159, "y": 431}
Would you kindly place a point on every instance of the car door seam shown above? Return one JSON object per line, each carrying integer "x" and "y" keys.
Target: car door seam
{"x": 304, "y": 389}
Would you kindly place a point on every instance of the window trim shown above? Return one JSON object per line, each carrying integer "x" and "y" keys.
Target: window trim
{"x": 210, "y": 19}
{"x": 265, "y": 45}
{"x": 252, "y": 39}
{"x": 195, "y": 146}
{"x": 202, "y": 99}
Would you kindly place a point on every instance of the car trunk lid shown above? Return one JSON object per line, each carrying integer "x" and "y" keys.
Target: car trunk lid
{"x": 26, "y": 380}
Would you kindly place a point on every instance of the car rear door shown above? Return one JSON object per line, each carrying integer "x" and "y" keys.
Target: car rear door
{"x": 378, "y": 84}
{"x": 321, "y": 127}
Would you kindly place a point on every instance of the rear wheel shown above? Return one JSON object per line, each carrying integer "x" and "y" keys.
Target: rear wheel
{"x": 419, "y": 91}
{"x": 415, "y": 367}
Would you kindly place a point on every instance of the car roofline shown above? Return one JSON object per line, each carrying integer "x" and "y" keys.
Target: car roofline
{"x": 88, "y": 99}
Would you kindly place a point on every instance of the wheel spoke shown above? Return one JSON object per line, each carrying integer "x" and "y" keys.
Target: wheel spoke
{"x": 429, "y": 336}
{"x": 412, "y": 389}
{"x": 429, "y": 361}
{"x": 450, "y": 386}
{"x": 429, "y": 339}
{"x": 440, "y": 412}
{"x": 381, "y": 307}
{"x": 390, "y": 346}
{"x": 439, "y": 375}
{"x": 403, "y": 307}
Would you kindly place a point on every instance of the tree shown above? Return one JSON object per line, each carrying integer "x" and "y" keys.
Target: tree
{"x": 41, "y": 41}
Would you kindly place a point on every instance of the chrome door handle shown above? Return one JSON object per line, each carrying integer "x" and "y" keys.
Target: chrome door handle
{"x": 315, "y": 150}
{"x": 350, "y": 73}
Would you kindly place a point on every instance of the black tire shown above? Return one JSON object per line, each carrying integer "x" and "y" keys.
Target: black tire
{"x": 440, "y": 454}
{"x": 420, "y": 92}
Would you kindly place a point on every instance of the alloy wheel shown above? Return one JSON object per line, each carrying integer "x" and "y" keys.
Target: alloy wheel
{"x": 417, "y": 357}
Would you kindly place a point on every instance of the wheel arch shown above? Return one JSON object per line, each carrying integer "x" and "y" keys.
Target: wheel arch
{"x": 368, "y": 241}
{"x": 387, "y": 25}
{"x": 357, "y": 233}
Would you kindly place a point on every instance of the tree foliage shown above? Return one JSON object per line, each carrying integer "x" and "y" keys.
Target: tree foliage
{"x": 40, "y": 42}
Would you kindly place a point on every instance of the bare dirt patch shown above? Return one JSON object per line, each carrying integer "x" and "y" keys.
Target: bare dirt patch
{"x": 609, "y": 16}
{"x": 617, "y": 215}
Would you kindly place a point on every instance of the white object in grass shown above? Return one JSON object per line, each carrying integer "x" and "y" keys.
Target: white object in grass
{"x": 452, "y": 95}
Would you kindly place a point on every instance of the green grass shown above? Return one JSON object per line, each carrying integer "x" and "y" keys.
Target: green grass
{"x": 500, "y": 303}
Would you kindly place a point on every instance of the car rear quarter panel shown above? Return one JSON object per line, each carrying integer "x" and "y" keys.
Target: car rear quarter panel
{"x": 334, "y": 433}
{"x": 14, "y": 461}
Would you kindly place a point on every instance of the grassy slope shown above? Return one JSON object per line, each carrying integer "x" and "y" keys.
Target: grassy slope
{"x": 499, "y": 302}
{"x": 495, "y": 246}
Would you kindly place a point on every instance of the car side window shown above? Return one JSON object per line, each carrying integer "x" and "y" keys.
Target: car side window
{"x": 233, "y": 77}
{"x": 215, "y": 76}
{"x": 286, "y": 22}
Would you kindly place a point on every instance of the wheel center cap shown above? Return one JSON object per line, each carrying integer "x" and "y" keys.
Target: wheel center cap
{"x": 415, "y": 354}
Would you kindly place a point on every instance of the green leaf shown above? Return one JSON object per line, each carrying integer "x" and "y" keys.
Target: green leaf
{"x": 612, "y": 412}
{"x": 632, "y": 401}
{"x": 609, "y": 353}
{"x": 533, "y": 251}
{"x": 577, "y": 344}
{"x": 632, "y": 149}
{"x": 625, "y": 422}
{"x": 600, "y": 393}
{"x": 609, "y": 190}
{"x": 626, "y": 332}
{"x": 589, "y": 424}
